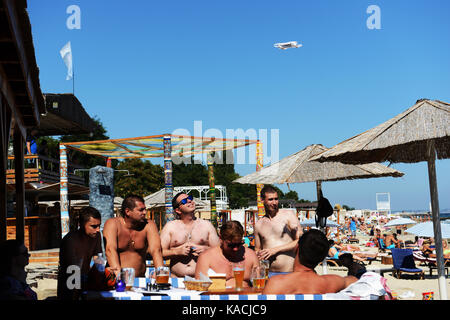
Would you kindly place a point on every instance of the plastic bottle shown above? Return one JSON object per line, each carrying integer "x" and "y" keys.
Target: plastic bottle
{"x": 100, "y": 263}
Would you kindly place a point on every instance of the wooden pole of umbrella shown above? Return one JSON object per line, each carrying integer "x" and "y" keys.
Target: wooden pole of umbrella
{"x": 319, "y": 194}
{"x": 436, "y": 219}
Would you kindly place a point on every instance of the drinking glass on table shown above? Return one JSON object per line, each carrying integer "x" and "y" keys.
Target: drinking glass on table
{"x": 162, "y": 275}
{"x": 127, "y": 276}
{"x": 258, "y": 277}
{"x": 238, "y": 273}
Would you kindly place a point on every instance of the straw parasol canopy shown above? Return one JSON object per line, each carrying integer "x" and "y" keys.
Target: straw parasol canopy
{"x": 299, "y": 168}
{"x": 421, "y": 133}
{"x": 403, "y": 138}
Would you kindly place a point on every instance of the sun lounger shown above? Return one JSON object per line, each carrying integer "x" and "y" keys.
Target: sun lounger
{"x": 430, "y": 262}
{"x": 403, "y": 261}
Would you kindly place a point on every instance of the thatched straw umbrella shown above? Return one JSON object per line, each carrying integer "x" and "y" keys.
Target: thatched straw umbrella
{"x": 421, "y": 133}
{"x": 298, "y": 168}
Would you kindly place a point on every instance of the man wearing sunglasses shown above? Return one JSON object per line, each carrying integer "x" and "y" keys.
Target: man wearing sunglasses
{"x": 277, "y": 233}
{"x": 230, "y": 253}
{"x": 130, "y": 237}
{"x": 183, "y": 240}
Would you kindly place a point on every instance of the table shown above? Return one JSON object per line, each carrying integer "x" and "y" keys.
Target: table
{"x": 178, "y": 292}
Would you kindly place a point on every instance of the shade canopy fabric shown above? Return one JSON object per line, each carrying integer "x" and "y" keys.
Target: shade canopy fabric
{"x": 153, "y": 146}
{"x": 399, "y": 222}
{"x": 425, "y": 229}
{"x": 299, "y": 168}
{"x": 400, "y": 139}
{"x": 312, "y": 223}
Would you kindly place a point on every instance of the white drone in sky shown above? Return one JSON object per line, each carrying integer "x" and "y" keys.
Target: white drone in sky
{"x": 286, "y": 45}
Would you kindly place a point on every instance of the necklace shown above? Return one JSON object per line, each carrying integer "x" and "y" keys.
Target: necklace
{"x": 131, "y": 240}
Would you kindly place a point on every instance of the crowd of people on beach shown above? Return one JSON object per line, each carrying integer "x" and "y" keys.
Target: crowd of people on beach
{"x": 194, "y": 247}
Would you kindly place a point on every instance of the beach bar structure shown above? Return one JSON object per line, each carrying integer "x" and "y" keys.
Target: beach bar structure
{"x": 168, "y": 146}
{"x": 21, "y": 103}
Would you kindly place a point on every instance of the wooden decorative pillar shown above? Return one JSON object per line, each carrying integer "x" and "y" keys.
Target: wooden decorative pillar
{"x": 259, "y": 166}
{"x": 64, "y": 190}
{"x": 168, "y": 186}
{"x": 212, "y": 190}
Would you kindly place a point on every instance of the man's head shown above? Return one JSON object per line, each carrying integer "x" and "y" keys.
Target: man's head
{"x": 313, "y": 247}
{"x": 89, "y": 220}
{"x": 231, "y": 234}
{"x": 133, "y": 207}
{"x": 269, "y": 196}
{"x": 183, "y": 203}
{"x": 346, "y": 259}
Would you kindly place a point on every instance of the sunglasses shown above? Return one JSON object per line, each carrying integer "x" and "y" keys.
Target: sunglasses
{"x": 234, "y": 245}
{"x": 185, "y": 200}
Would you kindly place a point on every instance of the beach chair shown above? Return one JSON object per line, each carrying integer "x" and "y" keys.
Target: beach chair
{"x": 403, "y": 261}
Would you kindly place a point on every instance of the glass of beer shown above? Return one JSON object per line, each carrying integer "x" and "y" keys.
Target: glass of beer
{"x": 162, "y": 275}
{"x": 238, "y": 272}
{"x": 127, "y": 276}
{"x": 258, "y": 277}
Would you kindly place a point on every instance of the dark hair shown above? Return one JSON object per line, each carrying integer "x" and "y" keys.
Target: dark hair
{"x": 267, "y": 189}
{"x": 313, "y": 247}
{"x": 231, "y": 230}
{"x": 130, "y": 203}
{"x": 175, "y": 204}
{"x": 86, "y": 213}
{"x": 9, "y": 249}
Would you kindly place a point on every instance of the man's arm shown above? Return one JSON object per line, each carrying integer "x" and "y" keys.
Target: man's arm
{"x": 294, "y": 227}
{"x": 202, "y": 265}
{"x": 110, "y": 238}
{"x": 154, "y": 244}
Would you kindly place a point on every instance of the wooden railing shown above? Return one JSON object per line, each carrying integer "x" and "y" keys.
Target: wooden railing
{"x": 39, "y": 168}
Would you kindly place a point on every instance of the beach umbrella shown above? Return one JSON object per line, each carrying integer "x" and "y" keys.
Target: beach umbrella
{"x": 421, "y": 133}
{"x": 312, "y": 223}
{"x": 399, "y": 222}
{"x": 425, "y": 229}
{"x": 299, "y": 168}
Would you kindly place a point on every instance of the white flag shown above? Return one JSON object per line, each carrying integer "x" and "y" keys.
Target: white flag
{"x": 66, "y": 54}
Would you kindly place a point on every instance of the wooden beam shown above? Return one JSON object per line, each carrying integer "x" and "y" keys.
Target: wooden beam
{"x": 10, "y": 101}
{"x": 18, "y": 143}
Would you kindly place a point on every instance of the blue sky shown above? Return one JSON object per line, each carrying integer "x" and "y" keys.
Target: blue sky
{"x": 152, "y": 67}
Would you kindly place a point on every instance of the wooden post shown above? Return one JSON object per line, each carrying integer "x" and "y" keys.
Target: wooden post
{"x": 168, "y": 186}
{"x": 20, "y": 185}
{"x": 212, "y": 189}
{"x": 5, "y": 127}
{"x": 259, "y": 166}
{"x": 64, "y": 190}
{"x": 436, "y": 220}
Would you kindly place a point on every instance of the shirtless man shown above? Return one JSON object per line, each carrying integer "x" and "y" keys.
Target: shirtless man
{"x": 392, "y": 241}
{"x": 231, "y": 251}
{"x": 276, "y": 234}
{"x": 130, "y": 237}
{"x": 312, "y": 249}
{"x": 78, "y": 247}
{"x": 183, "y": 240}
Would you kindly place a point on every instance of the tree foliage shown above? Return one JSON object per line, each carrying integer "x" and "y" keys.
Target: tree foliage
{"x": 142, "y": 178}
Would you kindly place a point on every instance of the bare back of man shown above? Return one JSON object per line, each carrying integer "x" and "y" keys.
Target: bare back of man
{"x": 183, "y": 243}
{"x": 274, "y": 236}
{"x": 307, "y": 283}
